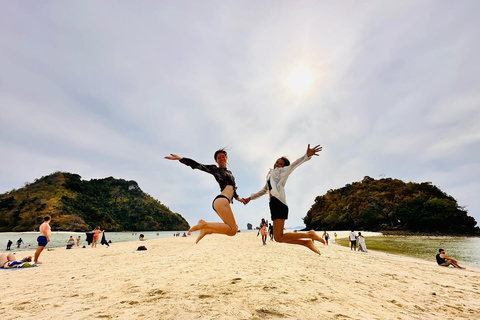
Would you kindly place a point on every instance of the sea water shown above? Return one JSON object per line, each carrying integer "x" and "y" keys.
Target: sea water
{"x": 466, "y": 250}
{"x": 60, "y": 238}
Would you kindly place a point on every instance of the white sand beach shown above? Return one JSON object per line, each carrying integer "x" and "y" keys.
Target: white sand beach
{"x": 235, "y": 278}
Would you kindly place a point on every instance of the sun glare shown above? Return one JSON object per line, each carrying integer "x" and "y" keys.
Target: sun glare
{"x": 300, "y": 79}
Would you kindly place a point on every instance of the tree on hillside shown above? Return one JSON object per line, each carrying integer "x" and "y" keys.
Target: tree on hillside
{"x": 389, "y": 204}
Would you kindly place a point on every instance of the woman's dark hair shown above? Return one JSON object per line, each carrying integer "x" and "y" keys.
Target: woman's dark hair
{"x": 285, "y": 161}
{"x": 219, "y": 151}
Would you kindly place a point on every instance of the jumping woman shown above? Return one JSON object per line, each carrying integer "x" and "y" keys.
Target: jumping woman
{"x": 275, "y": 186}
{"x": 221, "y": 203}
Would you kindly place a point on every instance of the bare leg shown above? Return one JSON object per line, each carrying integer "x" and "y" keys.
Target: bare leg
{"x": 6, "y": 257}
{"x": 37, "y": 254}
{"x": 228, "y": 227}
{"x": 455, "y": 264}
{"x": 295, "y": 238}
{"x": 200, "y": 225}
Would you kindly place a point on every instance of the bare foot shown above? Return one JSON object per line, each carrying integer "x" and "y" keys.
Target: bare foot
{"x": 312, "y": 247}
{"x": 38, "y": 262}
{"x": 315, "y": 236}
{"x": 200, "y": 224}
{"x": 202, "y": 234}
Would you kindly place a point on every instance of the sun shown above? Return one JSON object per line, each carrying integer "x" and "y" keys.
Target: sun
{"x": 300, "y": 80}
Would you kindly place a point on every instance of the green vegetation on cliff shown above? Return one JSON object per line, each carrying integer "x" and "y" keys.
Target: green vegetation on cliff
{"x": 389, "y": 204}
{"x": 79, "y": 205}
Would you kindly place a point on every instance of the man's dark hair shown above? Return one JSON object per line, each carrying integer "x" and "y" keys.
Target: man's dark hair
{"x": 440, "y": 250}
{"x": 285, "y": 161}
{"x": 47, "y": 218}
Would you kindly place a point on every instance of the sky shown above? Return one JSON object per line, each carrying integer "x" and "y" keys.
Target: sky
{"x": 109, "y": 88}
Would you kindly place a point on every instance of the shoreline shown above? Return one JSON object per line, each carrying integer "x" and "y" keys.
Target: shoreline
{"x": 236, "y": 278}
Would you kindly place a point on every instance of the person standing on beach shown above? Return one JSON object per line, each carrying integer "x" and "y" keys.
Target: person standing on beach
{"x": 96, "y": 232}
{"x": 78, "y": 241}
{"x": 270, "y": 231}
{"x": 335, "y": 235}
{"x": 275, "y": 186}
{"x": 43, "y": 238}
{"x": 353, "y": 240}
{"x": 9, "y": 244}
{"x": 445, "y": 261}
{"x": 221, "y": 203}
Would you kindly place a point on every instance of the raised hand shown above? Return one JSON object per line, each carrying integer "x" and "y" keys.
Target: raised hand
{"x": 313, "y": 151}
{"x": 173, "y": 157}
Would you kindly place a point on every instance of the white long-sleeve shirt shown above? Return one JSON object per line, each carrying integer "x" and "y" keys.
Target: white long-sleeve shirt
{"x": 278, "y": 177}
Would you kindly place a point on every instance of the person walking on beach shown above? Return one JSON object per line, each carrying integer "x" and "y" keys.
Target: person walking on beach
{"x": 19, "y": 242}
{"x": 263, "y": 231}
{"x": 361, "y": 243}
{"x": 78, "y": 241}
{"x": 96, "y": 232}
{"x": 445, "y": 261}
{"x": 270, "y": 231}
{"x": 221, "y": 203}
{"x": 260, "y": 226}
{"x": 353, "y": 240}
{"x": 335, "y": 235}
{"x": 9, "y": 244}
{"x": 275, "y": 186}
{"x": 43, "y": 238}
{"x": 326, "y": 236}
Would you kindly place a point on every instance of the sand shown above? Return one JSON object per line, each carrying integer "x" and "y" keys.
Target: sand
{"x": 235, "y": 278}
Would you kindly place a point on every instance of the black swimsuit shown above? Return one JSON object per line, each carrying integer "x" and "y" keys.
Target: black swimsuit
{"x": 223, "y": 176}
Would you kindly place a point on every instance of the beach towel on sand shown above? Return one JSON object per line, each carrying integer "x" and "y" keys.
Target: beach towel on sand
{"x": 22, "y": 266}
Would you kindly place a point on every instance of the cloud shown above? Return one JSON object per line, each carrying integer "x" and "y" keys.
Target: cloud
{"x": 104, "y": 90}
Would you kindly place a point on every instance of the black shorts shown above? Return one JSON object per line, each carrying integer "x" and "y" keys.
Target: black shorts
{"x": 353, "y": 242}
{"x": 218, "y": 197}
{"x": 278, "y": 209}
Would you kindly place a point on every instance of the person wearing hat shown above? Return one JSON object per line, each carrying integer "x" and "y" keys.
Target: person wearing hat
{"x": 444, "y": 260}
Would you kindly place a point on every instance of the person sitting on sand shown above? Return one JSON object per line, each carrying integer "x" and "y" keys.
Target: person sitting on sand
{"x": 221, "y": 203}
{"x": 275, "y": 186}
{"x": 445, "y": 261}
{"x": 70, "y": 242}
{"x": 8, "y": 261}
